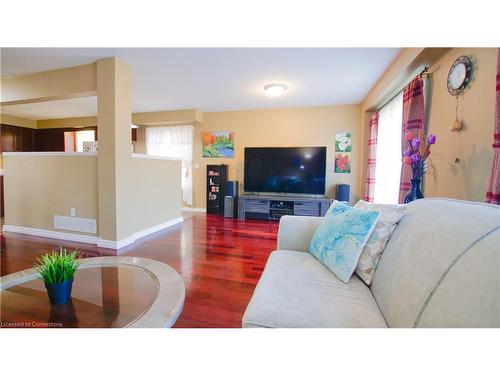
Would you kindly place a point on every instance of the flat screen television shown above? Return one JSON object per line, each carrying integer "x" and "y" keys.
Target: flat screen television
{"x": 295, "y": 170}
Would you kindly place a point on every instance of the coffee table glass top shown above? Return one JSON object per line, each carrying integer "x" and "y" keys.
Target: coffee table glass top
{"x": 102, "y": 296}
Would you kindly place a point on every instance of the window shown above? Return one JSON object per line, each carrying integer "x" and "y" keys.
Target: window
{"x": 175, "y": 142}
{"x": 73, "y": 140}
{"x": 388, "y": 170}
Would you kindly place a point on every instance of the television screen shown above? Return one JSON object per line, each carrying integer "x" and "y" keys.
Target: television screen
{"x": 299, "y": 170}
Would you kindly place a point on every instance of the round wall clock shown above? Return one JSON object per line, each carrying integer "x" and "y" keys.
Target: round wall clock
{"x": 460, "y": 75}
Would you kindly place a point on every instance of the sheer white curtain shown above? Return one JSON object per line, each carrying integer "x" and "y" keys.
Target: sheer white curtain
{"x": 176, "y": 142}
{"x": 388, "y": 171}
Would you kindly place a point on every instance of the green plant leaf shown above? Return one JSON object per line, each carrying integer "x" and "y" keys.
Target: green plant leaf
{"x": 58, "y": 266}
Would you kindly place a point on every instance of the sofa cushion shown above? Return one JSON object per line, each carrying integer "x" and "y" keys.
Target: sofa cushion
{"x": 341, "y": 237}
{"x": 390, "y": 215}
{"x": 442, "y": 256}
{"x": 469, "y": 294}
{"x": 296, "y": 290}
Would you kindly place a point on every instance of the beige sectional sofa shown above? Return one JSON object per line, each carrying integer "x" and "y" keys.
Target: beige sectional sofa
{"x": 440, "y": 268}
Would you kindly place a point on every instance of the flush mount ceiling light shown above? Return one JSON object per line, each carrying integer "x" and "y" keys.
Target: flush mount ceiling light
{"x": 275, "y": 89}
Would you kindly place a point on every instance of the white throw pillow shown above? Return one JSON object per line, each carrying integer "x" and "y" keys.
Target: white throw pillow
{"x": 390, "y": 215}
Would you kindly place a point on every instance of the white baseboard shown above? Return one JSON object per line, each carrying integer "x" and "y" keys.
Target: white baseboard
{"x": 50, "y": 234}
{"x": 156, "y": 228}
{"x": 115, "y": 245}
{"x": 194, "y": 209}
{"x": 108, "y": 244}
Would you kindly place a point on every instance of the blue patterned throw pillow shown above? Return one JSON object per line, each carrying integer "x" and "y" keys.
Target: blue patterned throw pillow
{"x": 340, "y": 238}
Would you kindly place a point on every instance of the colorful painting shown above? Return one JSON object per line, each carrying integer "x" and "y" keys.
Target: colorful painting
{"x": 218, "y": 144}
{"x": 343, "y": 142}
{"x": 342, "y": 162}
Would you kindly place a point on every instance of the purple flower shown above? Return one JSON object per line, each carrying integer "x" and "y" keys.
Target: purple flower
{"x": 407, "y": 152}
{"x": 415, "y": 143}
{"x": 415, "y": 158}
{"x": 431, "y": 139}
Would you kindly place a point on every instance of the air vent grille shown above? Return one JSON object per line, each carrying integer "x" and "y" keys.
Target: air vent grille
{"x": 76, "y": 224}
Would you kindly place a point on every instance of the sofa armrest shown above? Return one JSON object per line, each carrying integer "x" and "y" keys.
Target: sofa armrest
{"x": 296, "y": 232}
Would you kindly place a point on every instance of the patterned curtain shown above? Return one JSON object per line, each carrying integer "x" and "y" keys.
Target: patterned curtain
{"x": 372, "y": 157}
{"x": 493, "y": 192}
{"x": 414, "y": 122}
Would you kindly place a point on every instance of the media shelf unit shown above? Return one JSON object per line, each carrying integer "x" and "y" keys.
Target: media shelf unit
{"x": 272, "y": 207}
{"x": 216, "y": 181}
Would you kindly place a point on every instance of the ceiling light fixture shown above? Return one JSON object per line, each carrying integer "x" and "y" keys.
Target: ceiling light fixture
{"x": 275, "y": 89}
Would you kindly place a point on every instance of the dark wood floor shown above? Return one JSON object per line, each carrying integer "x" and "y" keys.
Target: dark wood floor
{"x": 219, "y": 259}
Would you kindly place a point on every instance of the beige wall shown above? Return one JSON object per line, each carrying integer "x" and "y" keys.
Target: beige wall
{"x": 287, "y": 127}
{"x": 399, "y": 72}
{"x": 190, "y": 116}
{"x": 138, "y": 193}
{"x": 468, "y": 178}
{"x": 186, "y": 116}
{"x": 395, "y": 74}
{"x": 114, "y": 115}
{"x": 76, "y": 81}
{"x": 128, "y": 195}
{"x": 37, "y": 188}
{"x": 153, "y": 188}
{"x": 17, "y": 121}
{"x": 306, "y": 126}
{"x": 67, "y": 122}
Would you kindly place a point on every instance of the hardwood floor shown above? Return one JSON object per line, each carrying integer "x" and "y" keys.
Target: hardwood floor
{"x": 219, "y": 259}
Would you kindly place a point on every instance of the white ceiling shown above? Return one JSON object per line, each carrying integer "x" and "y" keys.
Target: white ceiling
{"x": 213, "y": 79}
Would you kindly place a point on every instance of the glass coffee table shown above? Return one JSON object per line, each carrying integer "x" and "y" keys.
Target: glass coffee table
{"x": 107, "y": 292}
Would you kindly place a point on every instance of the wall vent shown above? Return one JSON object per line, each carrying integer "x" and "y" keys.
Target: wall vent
{"x": 76, "y": 224}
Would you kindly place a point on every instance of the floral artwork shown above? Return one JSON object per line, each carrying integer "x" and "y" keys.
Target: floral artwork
{"x": 218, "y": 144}
{"x": 342, "y": 162}
{"x": 343, "y": 142}
{"x": 343, "y": 148}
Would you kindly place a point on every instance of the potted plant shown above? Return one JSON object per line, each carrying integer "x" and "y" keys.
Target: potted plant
{"x": 57, "y": 270}
{"x": 416, "y": 156}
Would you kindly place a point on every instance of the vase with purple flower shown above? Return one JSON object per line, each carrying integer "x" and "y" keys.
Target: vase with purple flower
{"x": 416, "y": 156}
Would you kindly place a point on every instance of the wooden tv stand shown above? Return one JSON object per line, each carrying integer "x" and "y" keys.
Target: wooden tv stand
{"x": 272, "y": 207}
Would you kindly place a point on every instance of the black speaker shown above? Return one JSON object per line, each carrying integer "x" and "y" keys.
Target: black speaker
{"x": 231, "y": 199}
{"x": 231, "y": 189}
{"x": 343, "y": 192}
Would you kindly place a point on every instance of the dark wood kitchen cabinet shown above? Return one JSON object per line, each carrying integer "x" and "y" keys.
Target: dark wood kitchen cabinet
{"x": 1, "y": 197}
{"x": 49, "y": 140}
{"x": 17, "y": 139}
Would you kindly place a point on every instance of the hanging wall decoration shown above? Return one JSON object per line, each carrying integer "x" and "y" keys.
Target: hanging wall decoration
{"x": 343, "y": 148}
{"x": 460, "y": 76}
{"x": 342, "y": 162}
{"x": 343, "y": 142}
{"x": 218, "y": 144}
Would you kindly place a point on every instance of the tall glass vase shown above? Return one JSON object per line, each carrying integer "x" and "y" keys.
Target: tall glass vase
{"x": 415, "y": 192}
